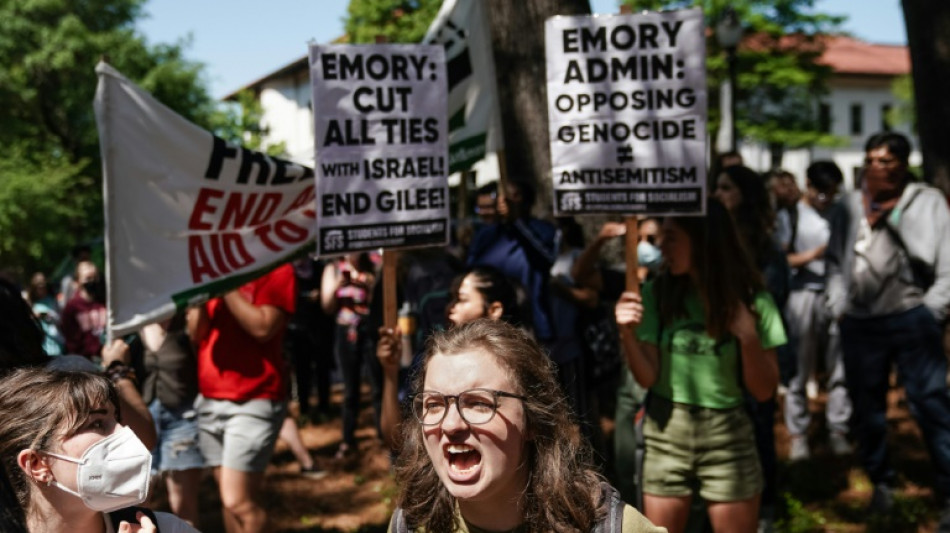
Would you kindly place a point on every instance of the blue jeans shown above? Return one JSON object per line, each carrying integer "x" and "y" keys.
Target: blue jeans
{"x": 177, "y": 447}
{"x": 912, "y": 340}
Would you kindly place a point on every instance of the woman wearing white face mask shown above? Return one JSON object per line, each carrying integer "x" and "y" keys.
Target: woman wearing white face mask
{"x": 72, "y": 465}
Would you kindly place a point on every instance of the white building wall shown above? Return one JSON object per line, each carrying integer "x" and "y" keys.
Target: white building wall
{"x": 287, "y": 114}
{"x": 872, "y": 94}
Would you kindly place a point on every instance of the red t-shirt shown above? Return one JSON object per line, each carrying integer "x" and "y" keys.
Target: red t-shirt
{"x": 83, "y": 324}
{"x": 234, "y": 366}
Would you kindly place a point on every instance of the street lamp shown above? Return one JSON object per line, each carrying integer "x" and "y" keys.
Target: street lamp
{"x": 728, "y": 34}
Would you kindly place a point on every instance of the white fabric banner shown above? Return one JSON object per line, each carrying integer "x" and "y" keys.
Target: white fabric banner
{"x": 627, "y": 113}
{"x": 474, "y": 117}
{"x": 381, "y": 146}
{"x": 188, "y": 216}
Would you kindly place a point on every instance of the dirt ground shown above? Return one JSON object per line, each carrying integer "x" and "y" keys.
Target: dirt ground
{"x": 825, "y": 493}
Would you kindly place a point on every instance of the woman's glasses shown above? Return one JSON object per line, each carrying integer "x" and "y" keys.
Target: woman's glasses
{"x": 475, "y": 406}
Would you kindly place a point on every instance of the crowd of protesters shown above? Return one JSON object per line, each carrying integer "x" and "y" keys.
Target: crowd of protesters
{"x": 534, "y": 337}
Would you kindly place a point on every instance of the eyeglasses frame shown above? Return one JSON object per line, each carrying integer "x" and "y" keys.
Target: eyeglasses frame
{"x": 495, "y": 395}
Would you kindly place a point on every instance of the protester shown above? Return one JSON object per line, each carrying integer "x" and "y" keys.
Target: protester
{"x": 486, "y": 203}
{"x": 345, "y": 293}
{"x": 524, "y": 248}
{"x": 691, "y": 323}
{"x": 21, "y": 345}
{"x": 21, "y": 336}
{"x": 480, "y": 292}
{"x": 46, "y": 309}
{"x": 810, "y": 330}
{"x": 742, "y": 191}
{"x": 784, "y": 196}
{"x": 508, "y": 456}
{"x": 169, "y": 388}
{"x": 310, "y": 340}
{"x": 84, "y": 316}
{"x": 68, "y": 285}
{"x": 71, "y": 463}
{"x": 888, "y": 261}
{"x": 240, "y": 377}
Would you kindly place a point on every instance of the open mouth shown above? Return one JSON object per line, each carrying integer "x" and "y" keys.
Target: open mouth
{"x": 462, "y": 458}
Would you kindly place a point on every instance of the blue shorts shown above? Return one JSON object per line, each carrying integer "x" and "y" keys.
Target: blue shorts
{"x": 177, "y": 429}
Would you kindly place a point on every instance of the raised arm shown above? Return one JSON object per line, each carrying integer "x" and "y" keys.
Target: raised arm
{"x": 759, "y": 365}
{"x": 328, "y": 286}
{"x": 643, "y": 358}
{"x": 260, "y": 322}
{"x": 116, "y": 358}
{"x": 389, "y": 351}
{"x": 585, "y": 266}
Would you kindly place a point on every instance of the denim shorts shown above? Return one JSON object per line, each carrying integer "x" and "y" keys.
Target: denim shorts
{"x": 239, "y": 435}
{"x": 697, "y": 447}
{"x": 177, "y": 429}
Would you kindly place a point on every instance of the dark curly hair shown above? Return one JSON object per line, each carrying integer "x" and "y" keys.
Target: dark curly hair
{"x": 563, "y": 492}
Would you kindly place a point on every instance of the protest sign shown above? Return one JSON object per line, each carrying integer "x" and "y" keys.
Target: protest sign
{"x": 474, "y": 117}
{"x": 627, "y": 113}
{"x": 188, "y": 216}
{"x": 381, "y": 146}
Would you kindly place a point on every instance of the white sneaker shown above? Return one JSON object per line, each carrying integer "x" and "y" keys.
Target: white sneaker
{"x": 811, "y": 389}
{"x": 839, "y": 444}
{"x": 799, "y": 451}
{"x": 781, "y": 391}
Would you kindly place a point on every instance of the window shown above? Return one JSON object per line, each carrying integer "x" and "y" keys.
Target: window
{"x": 885, "y": 111}
{"x": 824, "y": 118}
{"x": 857, "y": 122}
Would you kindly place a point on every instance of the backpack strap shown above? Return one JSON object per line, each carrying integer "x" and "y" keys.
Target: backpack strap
{"x": 613, "y": 521}
{"x": 128, "y": 514}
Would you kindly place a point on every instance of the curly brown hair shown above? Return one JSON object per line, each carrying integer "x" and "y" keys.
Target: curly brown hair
{"x": 563, "y": 492}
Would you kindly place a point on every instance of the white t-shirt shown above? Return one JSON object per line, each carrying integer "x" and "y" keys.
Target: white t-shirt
{"x": 813, "y": 231}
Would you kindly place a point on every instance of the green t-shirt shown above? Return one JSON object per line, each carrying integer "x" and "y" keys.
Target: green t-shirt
{"x": 695, "y": 369}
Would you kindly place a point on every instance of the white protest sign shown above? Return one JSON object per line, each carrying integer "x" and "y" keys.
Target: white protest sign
{"x": 627, "y": 113}
{"x": 381, "y": 146}
{"x": 188, "y": 216}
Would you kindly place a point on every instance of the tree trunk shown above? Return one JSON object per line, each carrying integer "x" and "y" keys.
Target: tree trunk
{"x": 518, "y": 42}
{"x": 928, "y": 34}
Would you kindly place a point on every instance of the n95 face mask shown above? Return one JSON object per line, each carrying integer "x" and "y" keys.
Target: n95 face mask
{"x": 113, "y": 473}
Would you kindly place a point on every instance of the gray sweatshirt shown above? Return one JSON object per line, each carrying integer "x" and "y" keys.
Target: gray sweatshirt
{"x": 921, "y": 219}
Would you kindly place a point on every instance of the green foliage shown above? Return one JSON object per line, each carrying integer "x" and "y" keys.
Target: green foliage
{"x": 50, "y": 165}
{"x": 796, "y": 518}
{"x": 239, "y": 122}
{"x": 398, "y": 21}
{"x": 905, "y": 517}
{"x": 35, "y": 207}
{"x": 779, "y": 82}
{"x": 905, "y": 112}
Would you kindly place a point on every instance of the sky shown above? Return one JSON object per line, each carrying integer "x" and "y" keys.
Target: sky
{"x": 240, "y": 41}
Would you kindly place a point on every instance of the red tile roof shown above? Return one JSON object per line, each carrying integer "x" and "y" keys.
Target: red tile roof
{"x": 851, "y": 56}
